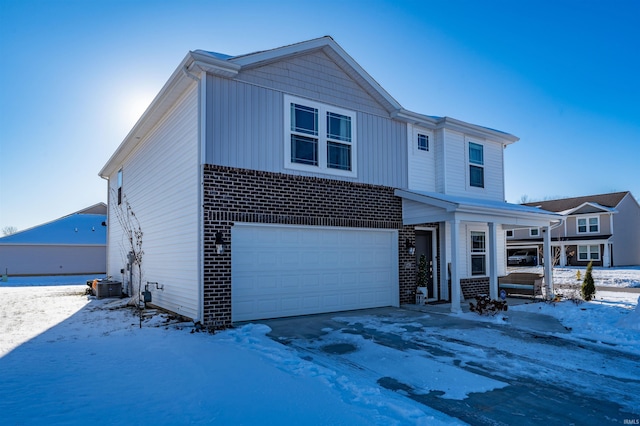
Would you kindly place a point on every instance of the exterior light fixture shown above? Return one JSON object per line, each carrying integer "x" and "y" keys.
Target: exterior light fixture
{"x": 411, "y": 249}
{"x": 219, "y": 243}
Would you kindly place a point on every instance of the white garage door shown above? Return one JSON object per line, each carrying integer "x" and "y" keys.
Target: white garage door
{"x": 280, "y": 271}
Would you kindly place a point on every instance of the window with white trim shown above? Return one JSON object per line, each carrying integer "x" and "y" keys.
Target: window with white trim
{"x": 319, "y": 137}
{"x": 509, "y": 233}
{"x": 476, "y": 165}
{"x": 587, "y": 253}
{"x": 478, "y": 253}
{"x": 588, "y": 225}
{"x": 423, "y": 142}
{"x": 534, "y": 232}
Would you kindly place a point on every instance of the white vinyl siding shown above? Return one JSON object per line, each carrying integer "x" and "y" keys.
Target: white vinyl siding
{"x": 161, "y": 185}
{"x": 455, "y": 168}
{"x": 422, "y": 174}
{"x": 245, "y": 130}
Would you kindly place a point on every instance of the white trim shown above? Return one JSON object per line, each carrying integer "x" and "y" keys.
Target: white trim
{"x": 468, "y": 164}
{"x": 321, "y": 137}
{"x": 589, "y": 252}
{"x": 587, "y": 224}
{"x": 470, "y": 253}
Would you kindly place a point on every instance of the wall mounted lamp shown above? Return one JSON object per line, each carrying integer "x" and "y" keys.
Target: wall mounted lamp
{"x": 411, "y": 249}
{"x": 219, "y": 243}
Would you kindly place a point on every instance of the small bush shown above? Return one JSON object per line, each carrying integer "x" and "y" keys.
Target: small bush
{"x": 588, "y": 290}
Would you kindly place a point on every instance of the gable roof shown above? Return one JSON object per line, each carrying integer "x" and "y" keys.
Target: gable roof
{"x": 610, "y": 200}
{"x": 197, "y": 61}
{"x": 83, "y": 227}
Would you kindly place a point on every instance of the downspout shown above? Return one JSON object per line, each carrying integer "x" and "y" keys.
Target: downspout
{"x": 200, "y": 215}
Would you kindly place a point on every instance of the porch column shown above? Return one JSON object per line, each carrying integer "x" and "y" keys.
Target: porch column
{"x": 455, "y": 275}
{"x": 548, "y": 262}
{"x": 606, "y": 255}
{"x": 563, "y": 255}
{"x": 493, "y": 262}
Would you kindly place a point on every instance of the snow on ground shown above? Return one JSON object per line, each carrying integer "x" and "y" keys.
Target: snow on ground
{"x": 67, "y": 358}
{"x": 628, "y": 276}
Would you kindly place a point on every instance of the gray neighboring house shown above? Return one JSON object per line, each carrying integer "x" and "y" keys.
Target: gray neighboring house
{"x": 289, "y": 182}
{"x": 602, "y": 228}
{"x": 73, "y": 244}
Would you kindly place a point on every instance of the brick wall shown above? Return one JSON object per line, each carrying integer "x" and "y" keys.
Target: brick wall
{"x": 473, "y": 286}
{"x": 240, "y": 195}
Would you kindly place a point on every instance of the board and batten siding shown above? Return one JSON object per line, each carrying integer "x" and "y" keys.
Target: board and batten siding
{"x": 456, "y": 167}
{"x": 245, "y": 129}
{"x": 421, "y": 163}
{"x": 161, "y": 184}
{"x": 314, "y": 76}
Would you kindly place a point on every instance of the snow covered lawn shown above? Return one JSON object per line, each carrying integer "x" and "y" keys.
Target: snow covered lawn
{"x": 66, "y": 358}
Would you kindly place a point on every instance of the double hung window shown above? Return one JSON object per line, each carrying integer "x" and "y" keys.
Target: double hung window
{"x": 588, "y": 225}
{"x": 587, "y": 253}
{"x": 478, "y": 253}
{"x": 319, "y": 137}
{"x": 476, "y": 165}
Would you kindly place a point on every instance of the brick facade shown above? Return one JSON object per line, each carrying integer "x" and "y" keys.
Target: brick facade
{"x": 473, "y": 286}
{"x": 239, "y": 195}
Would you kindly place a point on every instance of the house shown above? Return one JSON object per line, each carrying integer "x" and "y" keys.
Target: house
{"x": 288, "y": 182}
{"x": 73, "y": 244}
{"x": 604, "y": 229}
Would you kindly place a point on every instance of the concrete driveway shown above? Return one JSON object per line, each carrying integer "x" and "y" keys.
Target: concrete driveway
{"x": 535, "y": 375}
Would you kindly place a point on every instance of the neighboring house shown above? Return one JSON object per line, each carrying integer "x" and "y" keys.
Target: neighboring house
{"x": 288, "y": 182}
{"x": 73, "y": 244}
{"x": 601, "y": 228}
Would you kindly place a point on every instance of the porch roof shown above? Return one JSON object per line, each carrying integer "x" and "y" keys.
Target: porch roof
{"x": 423, "y": 207}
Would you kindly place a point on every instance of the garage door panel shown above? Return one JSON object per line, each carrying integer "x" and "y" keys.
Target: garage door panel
{"x": 288, "y": 270}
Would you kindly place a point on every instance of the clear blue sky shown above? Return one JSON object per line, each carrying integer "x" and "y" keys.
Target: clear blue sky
{"x": 563, "y": 75}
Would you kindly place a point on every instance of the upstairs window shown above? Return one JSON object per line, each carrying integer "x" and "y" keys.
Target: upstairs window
{"x": 588, "y": 225}
{"x": 476, "y": 165}
{"x": 119, "y": 186}
{"x": 478, "y": 253}
{"x": 423, "y": 142}
{"x": 319, "y": 138}
{"x": 534, "y": 232}
{"x": 510, "y": 233}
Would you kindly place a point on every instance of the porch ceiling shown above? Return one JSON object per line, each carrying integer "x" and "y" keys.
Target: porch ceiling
{"x": 424, "y": 207}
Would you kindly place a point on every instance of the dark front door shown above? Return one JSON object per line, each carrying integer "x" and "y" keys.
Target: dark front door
{"x": 424, "y": 246}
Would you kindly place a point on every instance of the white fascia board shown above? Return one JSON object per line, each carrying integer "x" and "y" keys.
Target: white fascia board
{"x": 419, "y": 220}
{"x": 475, "y": 130}
{"x": 594, "y": 205}
{"x": 271, "y": 55}
{"x": 414, "y": 118}
{"x": 213, "y": 65}
{"x": 261, "y": 58}
{"x": 425, "y": 199}
{"x": 176, "y": 84}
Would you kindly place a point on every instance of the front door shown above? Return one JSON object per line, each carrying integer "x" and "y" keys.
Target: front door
{"x": 424, "y": 246}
